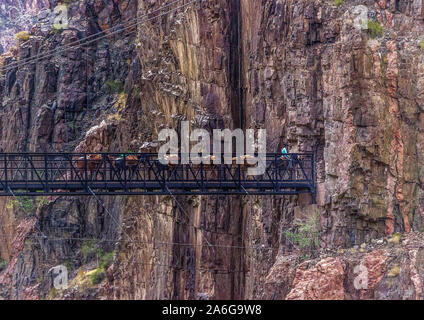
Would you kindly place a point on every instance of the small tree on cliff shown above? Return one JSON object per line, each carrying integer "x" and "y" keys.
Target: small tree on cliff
{"x": 305, "y": 236}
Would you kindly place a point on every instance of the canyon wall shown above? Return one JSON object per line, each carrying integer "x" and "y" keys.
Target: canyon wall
{"x": 303, "y": 70}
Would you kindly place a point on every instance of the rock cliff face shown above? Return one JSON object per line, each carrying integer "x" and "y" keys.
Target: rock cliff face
{"x": 307, "y": 71}
{"x": 19, "y": 15}
{"x": 383, "y": 269}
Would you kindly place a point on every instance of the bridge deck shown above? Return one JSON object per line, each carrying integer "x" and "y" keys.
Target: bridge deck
{"x": 36, "y": 174}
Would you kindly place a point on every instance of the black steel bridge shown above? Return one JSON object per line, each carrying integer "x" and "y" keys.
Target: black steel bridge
{"x": 38, "y": 174}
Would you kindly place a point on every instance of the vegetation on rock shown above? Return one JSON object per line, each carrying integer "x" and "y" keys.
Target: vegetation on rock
{"x": 113, "y": 87}
{"x": 306, "y": 236}
{"x": 26, "y": 204}
{"x": 106, "y": 260}
{"x": 97, "y": 276}
{"x": 394, "y": 272}
{"x": 3, "y": 265}
{"x": 89, "y": 249}
{"x": 375, "y": 30}
{"x": 22, "y": 36}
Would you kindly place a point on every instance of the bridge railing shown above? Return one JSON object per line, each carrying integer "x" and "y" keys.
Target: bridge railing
{"x": 75, "y": 172}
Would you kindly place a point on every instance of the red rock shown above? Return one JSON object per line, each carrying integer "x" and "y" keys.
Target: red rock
{"x": 323, "y": 281}
{"x": 32, "y": 293}
{"x": 375, "y": 264}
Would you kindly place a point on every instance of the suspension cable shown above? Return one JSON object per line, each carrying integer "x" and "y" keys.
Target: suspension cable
{"x": 75, "y": 46}
{"x": 186, "y": 214}
{"x": 107, "y": 211}
{"x": 153, "y": 243}
{"x": 76, "y": 42}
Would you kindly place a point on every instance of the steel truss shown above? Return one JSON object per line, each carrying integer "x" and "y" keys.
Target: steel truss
{"x": 40, "y": 174}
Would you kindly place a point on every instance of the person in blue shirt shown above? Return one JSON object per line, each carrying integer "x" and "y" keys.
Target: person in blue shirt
{"x": 285, "y": 153}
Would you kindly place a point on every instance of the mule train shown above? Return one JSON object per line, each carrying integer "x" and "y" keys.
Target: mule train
{"x": 96, "y": 164}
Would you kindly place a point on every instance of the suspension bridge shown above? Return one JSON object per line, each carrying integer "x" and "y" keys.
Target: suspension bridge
{"x": 37, "y": 174}
{"x": 41, "y": 174}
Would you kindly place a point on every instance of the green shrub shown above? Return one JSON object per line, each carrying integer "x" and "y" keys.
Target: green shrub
{"x": 22, "y": 36}
{"x": 375, "y": 30}
{"x": 3, "y": 265}
{"x": 305, "y": 257}
{"x": 421, "y": 44}
{"x": 136, "y": 91}
{"x": 88, "y": 250}
{"x": 97, "y": 276}
{"x": 53, "y": 293}
{"x": 67, "y": 264}
{"x": 42, "y": 201}
{"x": 113, "y": 87}
{"x": 307, "y": 235}
{"x": 58, "y": 29}
{"x": 106, "y": 260}
{"x": 26, "y": 204}
{"x": 338, "y": 2}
